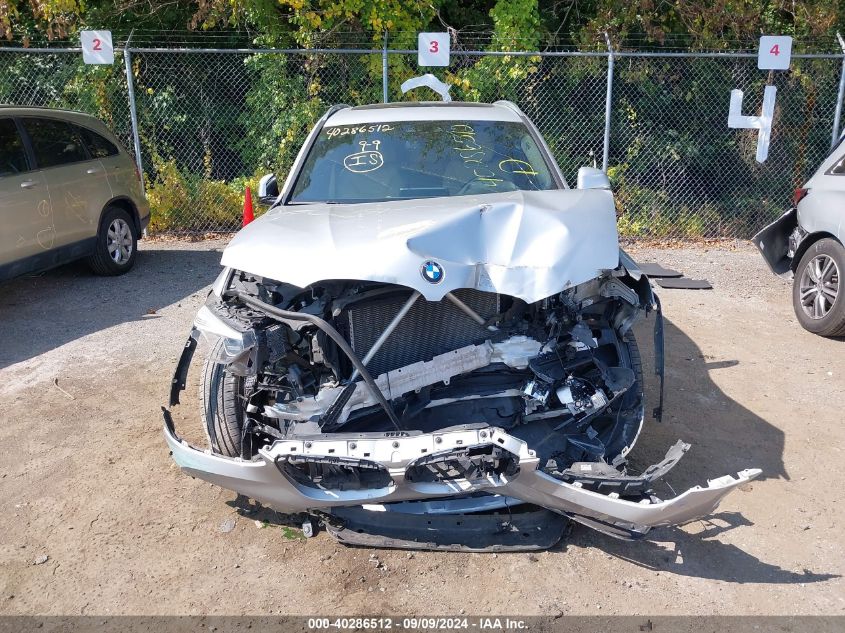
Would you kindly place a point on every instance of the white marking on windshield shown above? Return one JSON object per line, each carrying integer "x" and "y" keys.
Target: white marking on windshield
{"x": 365, "y": 160}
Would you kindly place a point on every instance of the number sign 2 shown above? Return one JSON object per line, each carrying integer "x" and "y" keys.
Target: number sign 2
{"x": 97, "y": 47}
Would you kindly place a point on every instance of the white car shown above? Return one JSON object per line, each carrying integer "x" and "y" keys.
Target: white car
{"x": 807, "y": 244}
{"x": 428, "y": 337}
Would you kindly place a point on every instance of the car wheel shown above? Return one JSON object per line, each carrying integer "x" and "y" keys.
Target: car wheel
{"x": 222, "y": 408}
{"x": 117, "y": 244}
{"x": 817, "y": 289}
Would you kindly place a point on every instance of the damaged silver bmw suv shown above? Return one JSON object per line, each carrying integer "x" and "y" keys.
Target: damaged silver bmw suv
{"x": 426, "y": 342}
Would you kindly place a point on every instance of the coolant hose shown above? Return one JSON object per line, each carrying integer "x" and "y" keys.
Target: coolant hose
{"x": 332, "y": 333}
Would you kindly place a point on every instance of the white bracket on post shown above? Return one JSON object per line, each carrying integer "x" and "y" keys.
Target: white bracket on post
{"x": 763, "y": 123}
{"x": 429, "y": 81}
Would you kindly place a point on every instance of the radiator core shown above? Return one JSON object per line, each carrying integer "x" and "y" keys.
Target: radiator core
{"x": 430, "y": 327}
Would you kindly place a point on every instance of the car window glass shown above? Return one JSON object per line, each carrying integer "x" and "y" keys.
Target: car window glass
{"x": 54, "y": 142}
{"x": 420, "y": 159}
{"x": 838, "y": 167}
{"x": 12, "y": 154}
{"x": 98, "y": 146}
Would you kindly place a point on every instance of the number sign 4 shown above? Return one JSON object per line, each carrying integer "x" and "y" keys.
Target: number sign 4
{"x": 774, "y": 52}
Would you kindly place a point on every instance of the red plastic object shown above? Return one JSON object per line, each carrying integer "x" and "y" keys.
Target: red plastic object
{"x": 248, "y": 214}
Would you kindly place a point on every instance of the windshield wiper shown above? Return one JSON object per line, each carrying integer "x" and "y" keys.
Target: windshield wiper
{"x": 299, "y": 202}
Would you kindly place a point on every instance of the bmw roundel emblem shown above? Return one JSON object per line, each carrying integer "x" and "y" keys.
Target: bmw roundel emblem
{"x": 432, "y": 272}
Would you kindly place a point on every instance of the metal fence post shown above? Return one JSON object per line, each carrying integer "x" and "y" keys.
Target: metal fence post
{"x": 838, "y": 113}
{"x": 384, "y": 69}
{"x": 133, "y": 115}
{"x": 607, "y": 105}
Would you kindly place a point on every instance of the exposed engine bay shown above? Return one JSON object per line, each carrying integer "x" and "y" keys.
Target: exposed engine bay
{"x": 426, "y": 342}
{"x": 562, "y": 374}
{"x": 360, "y": 391}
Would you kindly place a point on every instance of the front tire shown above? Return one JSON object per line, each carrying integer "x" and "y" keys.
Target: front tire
{"x": 117, "y": 244}
{"x": 817, "y": 294}
{"x": 222, "y": 406}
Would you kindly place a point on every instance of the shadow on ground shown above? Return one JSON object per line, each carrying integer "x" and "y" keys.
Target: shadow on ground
{"x": 42, "y": 312}
{"x": 698, "y": 555}
{"x": 726, "y": 437}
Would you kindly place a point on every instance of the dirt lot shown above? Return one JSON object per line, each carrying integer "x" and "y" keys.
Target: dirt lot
{"x": 86, "y": 480}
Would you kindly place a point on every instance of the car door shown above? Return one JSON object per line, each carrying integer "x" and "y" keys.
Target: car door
{"x": 121, "y": 171}
{"x": 27, "y": 229}
{"x": 79, "y": 188}
{"x": 822, "y": 210}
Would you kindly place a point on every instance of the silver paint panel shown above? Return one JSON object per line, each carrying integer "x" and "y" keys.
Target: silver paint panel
{"x": 261, "y": 480}
{"x": 528, "y": 244}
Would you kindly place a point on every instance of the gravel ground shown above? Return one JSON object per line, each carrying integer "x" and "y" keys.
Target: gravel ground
{"x": 98, "y": 520}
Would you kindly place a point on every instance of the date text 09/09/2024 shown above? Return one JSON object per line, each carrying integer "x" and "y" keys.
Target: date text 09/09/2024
{"x": 416, "y": 623}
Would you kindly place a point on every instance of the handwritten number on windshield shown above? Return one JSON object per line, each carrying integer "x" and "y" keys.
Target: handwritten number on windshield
{"x": 473, "y": 154}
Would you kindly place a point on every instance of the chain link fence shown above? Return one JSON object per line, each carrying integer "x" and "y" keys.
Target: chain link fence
{"x": 680, "y": 171}
{"x": 211, "y": 122}
{"x": 59, "y": 79}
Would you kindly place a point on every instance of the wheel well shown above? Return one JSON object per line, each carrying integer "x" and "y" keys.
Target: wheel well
{"x": 805, "y": 244}
{"x": 127, "y": 205}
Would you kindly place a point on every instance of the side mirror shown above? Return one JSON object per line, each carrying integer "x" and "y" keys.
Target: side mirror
{"x": 592, "y": 178}
{"x": 268, "y": 189}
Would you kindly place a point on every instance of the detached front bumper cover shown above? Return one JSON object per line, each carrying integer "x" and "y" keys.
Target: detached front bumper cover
{"x": 458, "y": 461}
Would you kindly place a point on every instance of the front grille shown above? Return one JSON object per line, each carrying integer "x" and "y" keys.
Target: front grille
{"x": 430, "y": 327}
{"x": 333, "y": 473}
{"x": 474, "y": 463}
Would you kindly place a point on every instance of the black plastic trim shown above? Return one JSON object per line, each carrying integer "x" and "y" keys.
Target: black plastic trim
{"x": 659, "y": 356}
{"x": 180, "y": 376}
{"x": 498, "y": 532}
{"x": 773, "y": 242}
{"x": 48, "y": 259}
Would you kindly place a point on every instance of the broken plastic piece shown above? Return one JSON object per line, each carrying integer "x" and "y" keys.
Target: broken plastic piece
{"x": 684, "y": 284}
{"x": 653, "y": 269}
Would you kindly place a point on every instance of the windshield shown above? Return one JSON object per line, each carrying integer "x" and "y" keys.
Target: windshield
{"x": 420, "y": 159}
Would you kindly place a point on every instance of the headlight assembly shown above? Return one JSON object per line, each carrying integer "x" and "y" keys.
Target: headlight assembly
{"x": 235, "y": 343}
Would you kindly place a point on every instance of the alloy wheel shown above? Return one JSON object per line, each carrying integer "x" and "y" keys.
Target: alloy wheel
{"x": 119, "y": 241}
{"x": 819, "y": 286}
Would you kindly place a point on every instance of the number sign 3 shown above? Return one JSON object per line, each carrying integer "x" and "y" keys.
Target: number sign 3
{"x": 433, "y": 49}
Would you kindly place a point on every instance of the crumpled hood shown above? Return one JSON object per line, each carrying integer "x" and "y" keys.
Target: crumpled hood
{"x": 528, "y": 244}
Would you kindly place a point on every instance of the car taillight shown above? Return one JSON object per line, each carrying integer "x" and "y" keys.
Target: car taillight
{"x": 799, "y": 195}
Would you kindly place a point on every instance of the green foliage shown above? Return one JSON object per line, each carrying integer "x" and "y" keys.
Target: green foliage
{"x": 210, "y": 124}
{"x": 193, "y": 202}
{"x": 710, "y": 23}
{"x": 306, "y": 22}
{"x": 516, "y": 25}
{"x": 276, "y": 117}
{"x": 288, "y": 94}
{"x": 516, "y": 28}
{"x": 707, "y": 23}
